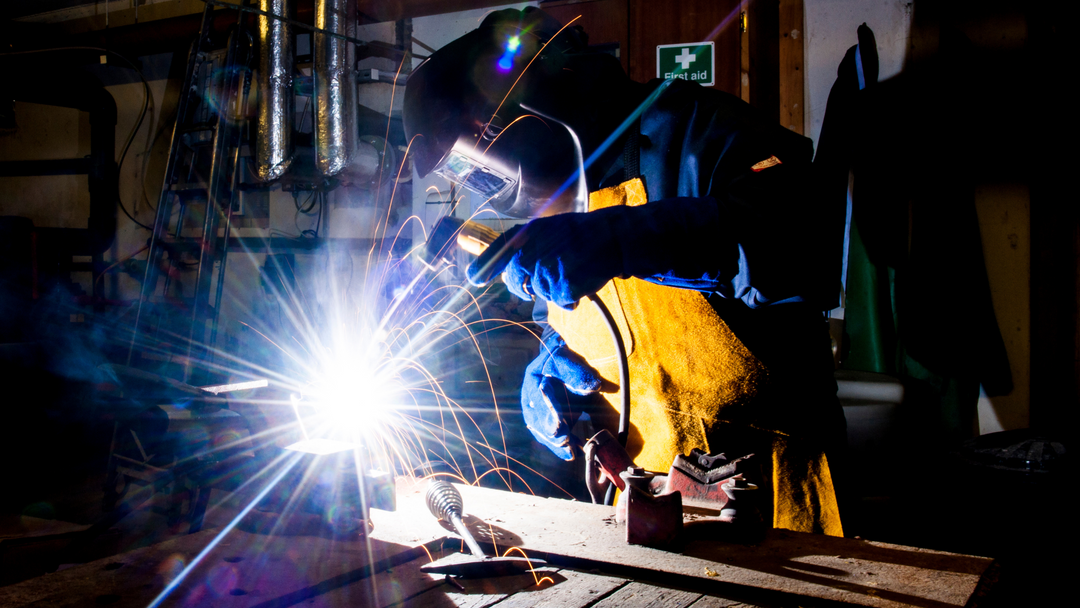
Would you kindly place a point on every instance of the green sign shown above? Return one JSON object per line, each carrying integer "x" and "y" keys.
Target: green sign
{"x": 691, "y": 61}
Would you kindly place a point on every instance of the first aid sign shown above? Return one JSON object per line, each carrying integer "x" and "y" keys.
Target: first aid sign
{"x": 691, "y": 61}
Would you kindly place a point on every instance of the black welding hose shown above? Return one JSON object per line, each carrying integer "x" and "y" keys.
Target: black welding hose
{"x": 624, "y": 367}
{"x": 624, "y": 383}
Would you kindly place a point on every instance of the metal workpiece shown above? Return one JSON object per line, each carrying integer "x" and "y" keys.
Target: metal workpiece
{"x": 652, "y": 520}
{"x": 713, "y": 487}
{"x": 335, "y": 86}
{"x": 273, "y": 147}
{"x": 605, "y": 459}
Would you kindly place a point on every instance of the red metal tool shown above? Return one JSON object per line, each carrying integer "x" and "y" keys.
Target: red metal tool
{"x": 651, "y": 506}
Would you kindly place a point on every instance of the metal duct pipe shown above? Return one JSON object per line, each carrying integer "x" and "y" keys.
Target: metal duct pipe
{"x": 335, "y": 86}
{"x": 273, "y": 148}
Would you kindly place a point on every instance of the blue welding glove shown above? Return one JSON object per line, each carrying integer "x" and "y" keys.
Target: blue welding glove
{"x": 565, "y": 257}
{"x": 546, "y": 394}
{"x": 559, "y": 258}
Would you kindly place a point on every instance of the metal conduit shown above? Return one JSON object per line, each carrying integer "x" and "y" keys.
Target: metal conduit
{"x": 273, "y": 148}
{"x": 335, "y": 86}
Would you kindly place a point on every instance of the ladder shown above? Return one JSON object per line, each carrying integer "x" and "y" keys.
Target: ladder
{"x": 200, "y": 176}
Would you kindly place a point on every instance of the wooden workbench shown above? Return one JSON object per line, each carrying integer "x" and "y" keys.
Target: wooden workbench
{"x": 589, "y": 565}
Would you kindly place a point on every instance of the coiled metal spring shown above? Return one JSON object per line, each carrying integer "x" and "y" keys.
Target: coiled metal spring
{"x": 443, "y": 500}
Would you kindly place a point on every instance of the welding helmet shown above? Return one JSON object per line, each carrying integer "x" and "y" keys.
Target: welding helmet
{"x": 483, "y": 112}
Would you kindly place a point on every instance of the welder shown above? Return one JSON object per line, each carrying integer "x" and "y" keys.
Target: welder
{"x": 687, "y": 212}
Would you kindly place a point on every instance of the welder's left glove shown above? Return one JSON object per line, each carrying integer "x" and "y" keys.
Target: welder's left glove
{"x": 547, "y": 394}
{"x": 565, "y": 257}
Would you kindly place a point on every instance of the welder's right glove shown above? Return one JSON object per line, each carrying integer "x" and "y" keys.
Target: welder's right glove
{"x": 562, "y": 258}
{"x": 547, "y": 394}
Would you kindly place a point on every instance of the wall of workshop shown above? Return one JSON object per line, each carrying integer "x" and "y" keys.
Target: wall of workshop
{"x": 46, "y": 133}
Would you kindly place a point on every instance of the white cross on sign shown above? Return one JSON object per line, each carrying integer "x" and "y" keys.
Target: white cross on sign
{"x": 686, "y": 58}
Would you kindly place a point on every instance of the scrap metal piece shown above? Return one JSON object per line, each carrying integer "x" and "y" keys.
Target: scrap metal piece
{"x": 321, "y": 447}
{"x": 712, "y": 483}
{"x": 603, "y": 452}
{"x": 710, "y": 468}
{"x": 705, "y": 480}
{"x": 235, "y": 386}
{"x": 652, "y": 521}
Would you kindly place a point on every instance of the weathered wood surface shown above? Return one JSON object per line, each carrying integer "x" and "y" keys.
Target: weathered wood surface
{"x": 560, "y": 588}
{"x": 245, "y": 569}
{"x": 291, "y": 563}
{"x": 639, "y": 594}
{"x": 792, "y": 76}
{"x": 585, "y": 536}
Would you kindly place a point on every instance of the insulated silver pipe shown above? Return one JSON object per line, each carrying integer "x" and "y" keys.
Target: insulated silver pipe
{"x": 273, "y": 148}
{"x": 335, "y": 86}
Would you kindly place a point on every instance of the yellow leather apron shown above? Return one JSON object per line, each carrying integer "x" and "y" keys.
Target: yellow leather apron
{"x": 692, "y": 380}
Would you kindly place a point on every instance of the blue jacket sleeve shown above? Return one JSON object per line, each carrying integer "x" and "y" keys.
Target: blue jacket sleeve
{"x": 726, "y": 218}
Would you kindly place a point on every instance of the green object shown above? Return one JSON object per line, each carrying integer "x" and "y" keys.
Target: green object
{"x": 942, "y": 407}
{"x": 691, "y": 61}
{"x": 869, "y": 312}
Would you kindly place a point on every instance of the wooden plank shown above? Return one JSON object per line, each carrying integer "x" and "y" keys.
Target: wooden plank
{"x": 264, "y": 567}
{"x": 245, "y": 568}
{"x": 719, "y": 602}
{"x": 763, "y": 23}
{"x": 652, "y": 596}
{"x": 744, "y": 51}
{"x": 477, "y": 593}
{"x": 792, "y": 74}
{"x": 394, "y": 586}
{"x": 567, "y": 589}
{"x": 584, "y": 536}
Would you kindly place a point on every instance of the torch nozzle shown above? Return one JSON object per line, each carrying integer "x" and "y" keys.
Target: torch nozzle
{"x": 470, "y": 236}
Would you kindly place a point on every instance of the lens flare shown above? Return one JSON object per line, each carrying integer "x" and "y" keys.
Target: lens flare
{"x": 351, "y": 393}
{"x": 513, "y": 48}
